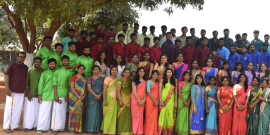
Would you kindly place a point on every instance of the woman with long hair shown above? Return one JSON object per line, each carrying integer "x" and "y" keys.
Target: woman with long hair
{"x": 133, "y": 66}
{"x": 208, "y": 70}
{"x": 182, "y": 126}
{"x": 148, "y": 66}
{"x": 179, "y": 67}
{"x": 138, "y": 98}
{"x": 102, "y": 63}
{"x": 265, "y": 73}
{"x": 109, "y": 102}
{"x": 123, "y": 88}
{"x": 162, "y": 65}
{"x": 168, "y": 103}
{"x": 250, "y": 73}
{"x": 241, "y": 93}
{"x": 119, "y": 62}
{"x": 151, "y": 105}
{"x": 224, "y": 71}
{"x": 238, "y": 69}
{"x": 194, "y": 69}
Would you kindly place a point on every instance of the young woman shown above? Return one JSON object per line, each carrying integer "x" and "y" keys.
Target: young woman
{"x": 151, "y": 105}
{"x": 224, "y": 71}
{"x": 208, "y": 70}
{"x": 263, "y": 127}
{"x": 254, "y": 107}
{"x": 76, "y": 100}
{"x": 146, "y": 64}
{"x": 168, "y": 101}
{"x": 182, "y": 126}
{"x": 179, "y": 67}
{"x": 101, "y": 62}
{"x": 123, "y": 88}
{"x": 225, "y": 101}
{"x": 194, "y": 69}
{"x": 94, "y": 101}
{"x": 238, "y": 69}
{"x": 109, "y": 102}
{"x": 197, "y": 111}
{"x": 119, "y": 62}
{"x": 210, "y": 105}
{"x": 133, "y": 66}
{"x": 138, "y": 97}
{"x": 162, "y": 66}
{"x": 264, "y": 74}
{"x": 250, "y": 73}
{"x": 241, "y": 93}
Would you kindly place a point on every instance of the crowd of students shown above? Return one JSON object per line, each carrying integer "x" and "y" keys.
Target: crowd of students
{"x": 152, "y": 85}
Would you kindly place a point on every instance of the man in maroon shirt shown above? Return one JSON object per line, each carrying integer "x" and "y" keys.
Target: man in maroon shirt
{"x": 176, "y": 50}
{"x": 202, "y": 52}
{"x": 100, "y": 30}
{"x": 131, "y": 48}
{"x": 216, "y": 59}
{"x": 188, "y": 51}
{"x": 108, "y": 49}
{"x": 155, "y": 51}
{"x": 108, "y": 34}
{"x": 92, "y": 37}
{"x": 119, "y": 47}
{"x": 97, "y": 48}
{"x": 143, "y": 48}
{"x": 15, "y": 83}
{"x": 81, "y": 43}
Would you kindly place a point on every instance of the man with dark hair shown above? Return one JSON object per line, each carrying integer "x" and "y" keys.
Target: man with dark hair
{"x": 176, "y": 50}
{"x": 108, "y": 49}
{"x": 142, "y": 36}
{"x": 66, "y": 40}
{"x": 120, "y": 46}
{"x": 97, "y": 48}
{"x": 238, "y": 43}
{"x": 222, "y": 52}
{"x": 163, "y": 36}
{"x": 131, "y": 48}
{"x": 72, "y": 56}
{"x": 265, "y": 55}
{"x": 193, "y": 37}
{"x": 152, "y": 35}
{"x": 227, "y": 41}
{"x": 266, "y": 40}
{"x": 108, "y": 34}
{"x": 168, "y": 46}
{"x": 214, "y": 41}
{"x": 123, "y": 32}
{"x": 199, "y": 42}
{"x": 173, "y": 31}
{"x": 135, "y": 31}
{"x": 143, "y": 48}
{"x": 86, "y": 60}
{"x": 81, "y": 43}
{"x": 155, "y": 51}
{"x": 100, "y": 30}
{"x": 15, "y": 83}
{"x": 258, "y": 42}
{"x": 92, "y": 41}
{"x": 245, "y": 57}
{"x": 233, "y": 58}
{"x": 216, "y": 59}
{"x": 57, "y": 55}
{"x": 202, "y": 52}
{"x": 183, "y": 36}
{"x": 188, "y": 51}
{"x": 255, "y": 57}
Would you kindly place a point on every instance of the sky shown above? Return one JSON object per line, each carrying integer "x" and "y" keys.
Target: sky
{"x": 239, "y": 16}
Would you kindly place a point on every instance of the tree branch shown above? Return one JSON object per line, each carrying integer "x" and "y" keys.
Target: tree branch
{"x": 12, "y": 24}
{"x": 32, "y": 28}
{"x": 26, "y": 28}
{"x": 41, "y": 27}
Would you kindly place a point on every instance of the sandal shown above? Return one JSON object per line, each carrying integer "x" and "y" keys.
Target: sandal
{"x": 7, "y": 131}
{"x": 17, "y": 129}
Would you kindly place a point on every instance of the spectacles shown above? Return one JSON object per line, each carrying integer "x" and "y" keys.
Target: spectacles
{"x": 21, "y": 56}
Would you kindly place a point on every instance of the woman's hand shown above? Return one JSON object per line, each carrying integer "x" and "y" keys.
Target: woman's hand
{"x": 207, "y": 111}
{"x": 156, "y": 103}
{"x": 195, "y": 111}
{"x": 121, "y": 103}
{"x": 104, "y": 102}
{"x": 97, "y": 97}
{"x": 175, "y": 105}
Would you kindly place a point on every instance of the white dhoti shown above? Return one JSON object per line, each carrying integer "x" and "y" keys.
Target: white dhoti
{"x": 31, "y": 111}
{"x": 44, "y": 116}
{"x": 59, "y": 115}
{"x": 13, "y": 111}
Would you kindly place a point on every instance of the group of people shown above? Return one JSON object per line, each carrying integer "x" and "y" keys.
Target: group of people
{"x": 152, "y": 85}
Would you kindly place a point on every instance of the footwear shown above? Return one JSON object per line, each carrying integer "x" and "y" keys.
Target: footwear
{"x": 39, "y": 131}
{"x": 17, "y": 129}
{"x": 34, "y": 128}
{"x": 26, "y": 130}
{"x": 72, "y": 132}
{"x": 54, "y": 132}
{"x": 7, "y": 131}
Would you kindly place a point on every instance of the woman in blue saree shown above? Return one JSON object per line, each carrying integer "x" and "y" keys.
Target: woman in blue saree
{"x": 264, "y": 74}
{"x": 208, "y": 70}
{"x": 238, "y": 69}
{"x": 179, "y": 67}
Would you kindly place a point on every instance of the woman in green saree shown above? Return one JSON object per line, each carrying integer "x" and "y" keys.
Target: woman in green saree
{"x": 133, "y": 66}
{"x": 110, "y": 102}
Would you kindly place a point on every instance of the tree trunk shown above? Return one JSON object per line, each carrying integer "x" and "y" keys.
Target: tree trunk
{"x": 29, "y": 60}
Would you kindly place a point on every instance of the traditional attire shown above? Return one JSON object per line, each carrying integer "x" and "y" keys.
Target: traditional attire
{"x": 179, "y": 70}
{"x": 103, "y": 69}
{"x": 182, "y": 126}
{"x": 88, "y": 64}
{"x": 211, "y": 118}
{"x": 194, "y": 75}
{"x": 72, "y": 60}
{"x": 261, "y": 78}
{"x": 250, "y": 77}
{"x": 209, "y": 73}
{"x": 44, "y": 53}
{"x": 148, "y": 69}
{"x": 120, "y": 71}
{"x": 93, "y": 107}
{"x": 235, "y": 76}
{"x": 133, "y": 70}
{"x": 161, "y": 71}
{"x": 263, "y": 127}
{"x": 222, "y": 74}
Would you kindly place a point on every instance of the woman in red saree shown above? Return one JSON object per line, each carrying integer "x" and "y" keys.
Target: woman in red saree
{"x": 241, "y": 93}
{"x": 147, "y": 65}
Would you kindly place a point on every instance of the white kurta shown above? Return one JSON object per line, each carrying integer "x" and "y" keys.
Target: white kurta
{"x": 31, "y": 111}
{"x": 59, "y": 115}
{"x": 44, "y": 116}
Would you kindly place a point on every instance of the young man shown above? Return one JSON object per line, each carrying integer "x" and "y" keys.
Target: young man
{"x": 168, "y": 46}
{"x": 81, "y": 43}
{"x": 163, "y": 36}
{"x": 97, "y": 48}
{"x": 124, "y": 32}
{"x": 119, "y": 47}
{"x": 255, "y": 57}
{"x": 214, "y": 41}
{"x": 199, "y": 42}
{"x": 244, "y": 37}
{"x": 151, "y": 36}
{"x": 135, "y": 31}
{"x": 142, "y": 36}
{"x": 31, "y": 105}
{"x": 72, "y": 56}
{"x": 257, "y": 41}
{"x": 183, "y": 36}
{"x": 227, "y": 41}
{"x": 66, "y": 40}
{"x": 131, "y": 48}
{"x": 86, "y": 60}
{"x": 100, "y": 30}
{"x": 92, "y": 37}
{"x": 265, "y": 55}
{"x": 216, "y": 59}
{"x": 45, "y": 52}
{"x": 238, "y": 43}
{"x": 222, "y": 52}
{"x": 57, "y": 55}
{"x": 46, "y": 97}
{"x": 15, "y": 83}
{"x": 188, "y": 51}
{"x": 143, "y": 48}
{"x": 108, "y": 49}
{"x": 245, "y": 57}
{"x": 173, "y": 31}
{"x": 61, "y": 84}
{"x": 175, "y": 50}
{"x": 193, "y": 37}
{"x": 155, "y": 51}
{"x": 266, "y": 40}
{"x": 202, "y": 52}
{"x": 109, "y": 34}
{"x": 233, "y": 58}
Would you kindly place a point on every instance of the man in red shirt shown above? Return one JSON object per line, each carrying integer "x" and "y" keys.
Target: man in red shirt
{"x": 176, "y": 50}
{"x": 119, "y": 47}
{"x": 81, "y": 43}
{"x": 108, "y": 34}
{"x": 155, "y": 51}
{"x": 188, "y": 51}
{"x": 216, "y": 59}
{"x": 108, "y": 49}
{"x": 131, "y": 48}
{"x": 144, "y": 48}
{"x": 92, "y": 37}
{"x": 97, "y": 48}
{"x": 100, "y": 30}
{"x": 202, "y": 52}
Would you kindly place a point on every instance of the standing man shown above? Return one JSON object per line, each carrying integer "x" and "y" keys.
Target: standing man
{"x": 142, "y": 36}
{"x": 222, "y": 52}
{"x": 72, "y": 56}
{"x": 124, "y": 32}
{"x": 31, "y": 105}
{"x": 143, "y": 48}
{"x": 86, "y": 60}
{"x": 135, "y": 30}
{"x": 245, "y": 57}
{"x": 108, "y": 34}
{"x": 214, "y": 41}
{"x": 45, "y": 52}
{"x": 244, "y": 37}
{"x": 193, "y": 37}
{"x": 265, "y": 55}
{"x": 162, "y": 36}
{"x": 227, "y": 41}
{"x": 216, "y": 59}
{"x": 168, "y": 46}
{"x": 255, "y": 57}
{"x": 233, "y": 58}
{"x": 92, "y": 37}
{"x": 97, "y": 48}
{"x": 199, "y": 42}
{"x": 108, "y": 49}
{"x": 119, "y": 47}
{"x": 81, "y": 43}
{"x": 183, "y": 36}
{"x": 238, "y": 43}
{"x": 176, "y": 50}
{"x": 266, "y": 40}
{"x": 257, "y": 41}
{"x": 100, "y": 30}
{"x": 155, "y": 51}
{"x": 202, "y": 52}
{"x": 66, "y": 40}
{"x": 57, "y": 55}
{"x": 131, "y": 48}
{"x": 151, "y": 35}
{"x": 188, "y": 51}
{"x": 173, "y": 31}
{"x": 15, "y": 83}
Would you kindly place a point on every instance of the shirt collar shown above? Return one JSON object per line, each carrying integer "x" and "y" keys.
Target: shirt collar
{"x": 17, "y": 62}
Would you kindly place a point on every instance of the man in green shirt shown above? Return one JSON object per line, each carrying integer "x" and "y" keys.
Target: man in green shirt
{"x": 72, "y": 56}
{"x": 57, "y": 55}
{"x": 227, "y": 41}
{"x": 45, "y": 97}
{"x": 85, "y": 60}
{"x": 31, "y": 105}
{"x": 61, "y": 83}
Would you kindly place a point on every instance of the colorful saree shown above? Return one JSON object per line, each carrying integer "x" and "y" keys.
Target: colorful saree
{"x": 75, "y": 105}
{"x": 225, "y": 118}
{"x": 124, "y": 123}
{"x": 235, "y": 76}
{"x": 182, "y": 126}
{"x": 263, "y": 127}
{"x": 161, "y": 71}
{"x": 179, "y": 70}
{"x": 94, "y": 108}
{"x": 222, "y": 74}
{"x": 148, "y": 69}
{"x": 133, "y": 69}
{"x": 213, "y": 71}
{"x": 110, "y": 111}
{"x": 261, "y": 79}
{"x": 197, "y": 121}
{"x": 166, "y": 115}
{"x": 211, "y": 118}
{"x": 137, "y": 111}
{"x": 250, "y": 77}
{"x": 253, "y": 117}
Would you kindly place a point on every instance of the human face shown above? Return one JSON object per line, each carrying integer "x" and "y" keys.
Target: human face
{"x": 264, "y": 84}
{"x": 100, "y": 40}
{"x": 204, "y": 42}
{"x": 146, "y": 56}
{"x": 242, "y": 78}
{"x": 48, "y": 42}
{"x": 84, "y": 36}
{"x": 126, "y": 73}
{"x": 266, "y": 39}
{"x": 239, "y": 67}
{"x": 141, "y": 73}
{"x": 214, "y": 53}
{"x": 156, "y": 42}
{"x": 250, "y": 66}
{"x": 256, "y": 35}
{"x": 125, "y": 28}
{"x": 244, "y": 37}
{"x": 71, "y": 34}
{"x": 155, "y": 76}
{"x": 226, "y": 33}
{"x": 144, "y": 30}
{"x": 180, "y": 58}
{"x": 244, "y": 50}
{"x": 199, "y": 80}
{"x": 59, "y": 49}
{"x": 134, "y": 59}
{"x": 163, "y": 30}
{"x": 37, "y": 63}
{"x": 114, "y": 71}
{"x": 212, "y": 81}
{"x": 101, "y": 27}
{"x": 192, "y": 32}
{"x": 111, "y": 40}
{"x": 21, "y": 58}
{"x": 177, "y": 45}
{"x": 112, "y": 27}
{"x": 263, "y": 67}
{"x": 118, "y": 59}
{"x": 195, "y": 64}
{"x": 72, "y": 48}
{"x": 121, "y": 39}
{"x": 203, "y": 33}
{"x": 238, "y": 39}
{"x": 209, "y": 63}
{"x": 102, "y": 56}
{"x": 264, "y": 48}
{"x": 52, "y": 65}
{"x": 252, "y": 48}
{"x": 232, "y": 49}
{"x": 134, "y": 38}
{"x": 225, "y": 82}
{"x": 189, "y": 42}
{"x": 93, "y": 37}
{"x": 163, "y": 59}
{"x": 152, "y": 31}
{"x": 169, "y": 73}
{"x": 146, "y": 42}
{"x": 96, "y": 71}
{"x": 186, "y": 77}
{"x": 215, "y": 34}
{"x": 64, "y": 62}
{"x": 184, "y": 31}
{"x": 136, "y": 27}
{"x": 255, "y": 82}
{"x": 81, "y": 70}
{"x": 86, "y": 51}
{"x": 221, "y": 43}
{"x": 173, "y": 32}
{"x": 169, "y": 37}
{"x": 226, "y": 66}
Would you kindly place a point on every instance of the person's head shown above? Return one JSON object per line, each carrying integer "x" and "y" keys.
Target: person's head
{"x": 244, "y": 36}
{"x": 250, "y": 66}
{"x": 238, "y": 37}
{"x": 92, "y": 36}
{"x": 199, "y": 80}
{"x": 144, "y": 29}
{"x": 152, "y": 29}
{"x": 155, "y": 74}
{"x": 140, "y": 73}
{"x": 204, "y": 41}
{"x": 156, "y": 40}
{"x": 215, "y": 34}
{"x": 102, "y": 57}
{"x": 125, "y": 27}
{"x": 232, "y": 49}
{"x": 112, "y": 27}
{"x": 243, "y": 49}
{"x": 164, "y": 28}
{"x": 252, "y": 47}
{"x": 239, "y": 67}
{"x": 225, "y": 66}
{"x": 83, "y": 34}
{"x": 212, "y": 80}
{"x": 21, "y": 57}
{"x": 37, "y": 62}
{"x": 243, "y": 79}
{"x": 264, "y": 46}
{"x": 189, "y": 41}
{"x": 126, "y": 73}
{"x": 135, "y": 58}
{"x": 51, "y": 63}
{"x": 177, "y": 43}
{"x": 111, "y": 40}
{"x": 99, "y": 39}
{"x": 173, "y": 31}
{"x": 58, "y": 48}
{"x": 72, "y": 46}
{"x": 265, "y": 83}
{"x": 133, "y": 37}
{"x": 86, "y": 50}
{"x": 226, "y": 32}
{"x": 163, "y": 59}
{"x": 169, "y": 36}
{"x": 221, "y": 42}
{"x": 146, "y": 41}
{"x": 214, "y": 52}
{"x": 209, "y": 62}
{"x": 96, "y": 70}
{"x": 71, "y": 33}
{"x": 146, "y": 56}
{"x": 113, "y": 70}
{"x": 180, "y": 56}
{"x": 65, "y": 60}
{"x": 194, "y": 64}
{"x": 119, "y": 60}
{"x": 266, "y": 38}
{"x": 136, "y": 26}
{"x": 256, "y": 33}
{"x": 192, "y": 31}
{"x": 121, "y": 37}
{"x": 203, "y": 33}
{"x": 264, "y": 69}
{"x": 225, "y": 81}
{"x": 81, "y": 69}
{"x": 168, "y": 76}
{"x": 48, "y": 41}
{"x": 184, "y": 30}
{"x": 186, "y": 76}
{"x": 101, "y": 26}
{"x": 255, "y": 81}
